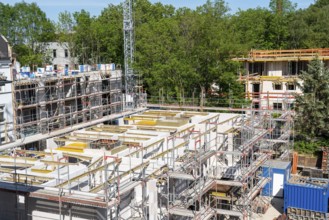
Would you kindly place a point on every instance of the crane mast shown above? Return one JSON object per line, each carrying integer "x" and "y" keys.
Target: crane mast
{"x": 130, "y": 78}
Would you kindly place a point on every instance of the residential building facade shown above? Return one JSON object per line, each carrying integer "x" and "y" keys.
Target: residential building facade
{"x": 60, "y": 56}
{"x": 271, "y": 77}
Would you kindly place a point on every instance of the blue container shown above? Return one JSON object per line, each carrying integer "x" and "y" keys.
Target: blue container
{"x": 306, "y": 195}
{"x": 278, "y": 172}
{"x": 81, "y": 68}
{"x": 25, "y": 74}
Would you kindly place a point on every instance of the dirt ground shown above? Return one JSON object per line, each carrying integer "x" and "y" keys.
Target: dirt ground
{"x": 275, "y": 209}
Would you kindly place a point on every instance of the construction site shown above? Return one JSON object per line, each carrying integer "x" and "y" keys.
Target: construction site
{"x": 87, "y": 145}
{"x": 151, "y": 165}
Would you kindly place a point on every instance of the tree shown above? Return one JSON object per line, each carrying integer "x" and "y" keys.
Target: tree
{"x": 108, "y": 30}
{"x": 312, "y": 112}
{"x": 282, "y": 6}
{"x": 83, "y": 36}
{"x": 26, "y": 27}
{"x": 65, "y": 32}
{"x": 251, "y": 28}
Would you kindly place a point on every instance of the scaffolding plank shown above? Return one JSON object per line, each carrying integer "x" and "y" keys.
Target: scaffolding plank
{"x": 182, "y": 212}
{"x": 179, "y": 175}
{"x": 229, "y": 212}
{"x": 228, "y": 183}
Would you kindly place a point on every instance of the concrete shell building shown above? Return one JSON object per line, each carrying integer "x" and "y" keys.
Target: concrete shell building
{"x": 271, "y": 76}
{"x": 146, "y": 164}
{"x": 33, "y": 105}
{"x": 49, "y": 103}
{"x": 6, "y": 98}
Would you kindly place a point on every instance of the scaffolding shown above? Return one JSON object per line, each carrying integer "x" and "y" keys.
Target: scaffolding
{"x": 155, "y": 165}
{"x": 222, "y": 176}
{"x": 46, "y": 104}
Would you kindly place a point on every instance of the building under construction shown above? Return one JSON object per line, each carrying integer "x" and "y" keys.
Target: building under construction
{"x": 148, "y": 165}
{"x": 52, "y": 102}
{"x": 271, "y": 77}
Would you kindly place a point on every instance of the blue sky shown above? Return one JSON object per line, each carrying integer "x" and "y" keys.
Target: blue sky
{"x": 53, "y": 7}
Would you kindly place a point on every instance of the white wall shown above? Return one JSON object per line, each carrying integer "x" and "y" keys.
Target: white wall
{"x": 274, "y": 69}
{"x": 6, "y": 102}
{"x": 268, "y": 94}
{"x": 60, "y": 60}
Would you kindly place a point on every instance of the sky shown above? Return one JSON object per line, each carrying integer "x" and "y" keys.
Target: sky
{"x": 53, "y": 7}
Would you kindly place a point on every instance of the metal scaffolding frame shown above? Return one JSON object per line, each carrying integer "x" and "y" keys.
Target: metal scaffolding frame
{"x": 46, "y": 104}
{"x": 254, "y": 140}
{"x": 205, "y": 170}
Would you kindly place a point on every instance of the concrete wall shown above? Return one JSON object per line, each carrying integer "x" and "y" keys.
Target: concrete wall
{"x": 269, "y": 95}
{"x": 22, "y": 207}
{"x": 12, "y": 206}
{"x": 40, "y": 209}
{"x": 6, "y": 103}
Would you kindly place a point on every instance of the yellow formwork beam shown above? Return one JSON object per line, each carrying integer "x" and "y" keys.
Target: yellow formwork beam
{"x": 39, "y": 153}
{"x": 22, "y": 180}
{"x": 74, "y": 147}
{"x": 19, "y": 158}
{"x": 78, "y": 144}
{"x": 17, "y": 164}
{"x": 51, "y": 162}
{"x": 66, "y": 149}
{"x": 5, "y": 170}
{"x": 41, "y": 170}
{"x": 219, "y": 194}
{"x": 146, "y": 122}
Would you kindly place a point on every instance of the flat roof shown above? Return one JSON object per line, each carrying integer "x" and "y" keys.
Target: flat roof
{"x": 279, "y": 164}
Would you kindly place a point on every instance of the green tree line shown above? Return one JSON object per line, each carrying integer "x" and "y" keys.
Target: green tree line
{"x": 179, "y": 51}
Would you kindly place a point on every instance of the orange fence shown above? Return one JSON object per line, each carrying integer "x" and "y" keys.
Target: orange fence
{"x": 289, "y": 53}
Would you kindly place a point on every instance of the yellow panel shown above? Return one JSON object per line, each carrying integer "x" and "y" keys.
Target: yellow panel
{"x": 41, "y": 171}
{"x": 73, "y": 147}
{"x": 219, "y": 194}
{"x": 78, "y": 144}
{"x": 146, "y": 122}
{"x": 70, "y": 149}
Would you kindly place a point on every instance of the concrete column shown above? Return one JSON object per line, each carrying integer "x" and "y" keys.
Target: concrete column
{"x": 153, "y": 199}
{"x": 230, "y": 148}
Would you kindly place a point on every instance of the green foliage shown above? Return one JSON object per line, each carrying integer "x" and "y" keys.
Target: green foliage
{"x": 282, "y": 6}
{"x": 312, "y": 114}
{"x": 179, "y": 52}
{"x": 276, "y": 115}
{"x": 26, "y": 27}
{"x": 310, "y": 147}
